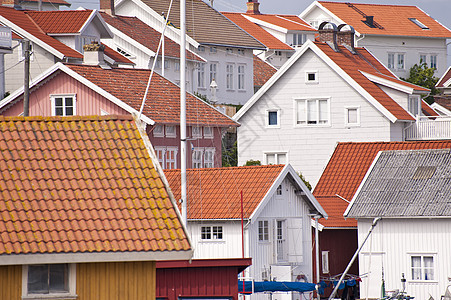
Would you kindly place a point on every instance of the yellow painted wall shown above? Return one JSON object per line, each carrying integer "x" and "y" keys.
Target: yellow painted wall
{"x": 11, "y": 282}
{"x": 116, "y": 281}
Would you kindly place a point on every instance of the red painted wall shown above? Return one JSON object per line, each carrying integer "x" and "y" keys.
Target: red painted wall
{"x": 201, "y": 278}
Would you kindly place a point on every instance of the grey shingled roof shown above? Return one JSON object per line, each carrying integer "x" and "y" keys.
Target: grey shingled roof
{"x": 206, "y": 25}
{"x": 407, "y": 183}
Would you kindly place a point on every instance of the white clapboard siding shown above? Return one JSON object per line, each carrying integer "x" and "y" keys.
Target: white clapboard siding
{"x": 394, "y": 241}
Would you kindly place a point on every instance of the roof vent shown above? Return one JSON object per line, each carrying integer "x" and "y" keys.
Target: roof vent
{"x": 328, "y": 34}
{"x": 252, "y": 7}
{"x": 369, "y": 20}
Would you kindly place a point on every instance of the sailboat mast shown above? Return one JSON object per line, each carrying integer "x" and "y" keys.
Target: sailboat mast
{"x": 183, "y": 143}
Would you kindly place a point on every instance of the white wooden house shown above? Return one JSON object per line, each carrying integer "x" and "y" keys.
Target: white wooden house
{"x": 327, "y": 92}
{"x": 226, "y": 47}
{"x": 277, "y": 218}
{"x": 410, "y": 191}
{"x": 398, "y": 35}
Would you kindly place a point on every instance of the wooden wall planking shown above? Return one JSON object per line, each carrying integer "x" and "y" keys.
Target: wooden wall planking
{"x": 11, "y": 282}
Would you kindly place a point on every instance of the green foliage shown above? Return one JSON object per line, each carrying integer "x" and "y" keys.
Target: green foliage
{"x": 202, "y": 97}
{"x": 307, "y": 184}
{"x": 230, "y": 156}
{"x": 423, "y": 76}
{"x": 252, "y": 162}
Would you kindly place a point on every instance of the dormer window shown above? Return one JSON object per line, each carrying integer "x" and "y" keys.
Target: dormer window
{"x": 418, "y": 23}
{"x": 63, "y": 105}
{"x": 299, "y": 39}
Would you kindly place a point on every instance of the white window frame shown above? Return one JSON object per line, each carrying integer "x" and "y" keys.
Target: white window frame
{"x": 20, "y": 51}
{"x": 423, "y": 58}
{"x": 267, "y": 112}
{"x": 411, "y": 100}
{"x": 211, "y": 232}
{"x": 160, "y": 153}
{"x": 307, "y": 79}
{"x": 177, "y": 65}
{"x": 229, "y": 51}
{"x": 72, "y": 280}
{"x": 434, "y": 268}
{"x": 305, "y": 102}
{"x": 208, "y": 132}
{"x": 74, "y": 101}
{"x": 197, "y": 155}
{"x": 279, "y": 192}
{"x": 158, "y": 131}
{"x": 277, "y": 156}
{"x": 168, "y": 161}
{"x": 241, "y": 52}
{"x": 196, "y": 131}
{"x": 398, "y": 65}
{"x": 209, "y": 157}
{"x": 325, "y": 262}
{"x": 433, "y": 61}
{"x": 167, "y": 63}
{"x": 213, "y": 72}
{"x": 347, "y": 109}
{"x": 229, "y": 76}
{"x": 391, "y": 61}
{"x": 201, "y": 48}
{"x": 296, "y": 37}
{"x": 278, "y": 53}
{"x": 170, "y": 131}
{"x": 263, "y": 231}
{"x": 213, "y": 50}
{"x": 201, "y": 75}
{"x": 241, "y": 77}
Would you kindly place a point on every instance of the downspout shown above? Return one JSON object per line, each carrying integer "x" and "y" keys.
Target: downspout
{"x": 353, "y": 259}
{"x": 317, "y": 255}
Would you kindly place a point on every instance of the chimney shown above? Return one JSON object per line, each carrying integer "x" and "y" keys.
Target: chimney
{"x": 108, "y": 7}
{"x": 11, "y": 3}
{"x": 346, "y": 37}
{"x": 369, "y": 20}
{"x": 252, "y": 7}
{"x": 93, "y": 54}
{"x": 328, "y": 35}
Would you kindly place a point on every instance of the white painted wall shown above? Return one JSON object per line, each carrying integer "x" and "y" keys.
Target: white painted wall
{"x": 390, "y": 246}
{"x": 286, "y": 207}
{"x": 381, "y": 45}
{"x": 309, "y": 147}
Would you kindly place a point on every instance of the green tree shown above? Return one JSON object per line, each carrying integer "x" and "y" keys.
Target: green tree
{"x": 230, "y": 156}
{"x": 307, "y": 184}
{"x": 252, "y": 162}
{"x": 422, "y": 75}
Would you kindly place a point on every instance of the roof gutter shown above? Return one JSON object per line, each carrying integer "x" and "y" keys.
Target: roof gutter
{"x": 233, "y": 46}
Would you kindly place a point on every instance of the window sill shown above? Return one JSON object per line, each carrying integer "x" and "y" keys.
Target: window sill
{"x": 352, "y": 125}
{"x": 230, "y": 90}
{"x": 423, "y": 282}
{"x": 50, "y": 296}
{"x": 171, "y": 136}
{"x": 311, "y": 125}
{"x": 242, "y": 91}
{"x": 212, "y": 241}
{"x": 272, "y": 126}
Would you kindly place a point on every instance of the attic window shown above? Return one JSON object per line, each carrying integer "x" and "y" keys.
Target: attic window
{"x": 418, "y": 23}
{"x": 424, "y": 172}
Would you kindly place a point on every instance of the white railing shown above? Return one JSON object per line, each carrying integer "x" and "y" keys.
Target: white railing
{"x": 429, "y": 128}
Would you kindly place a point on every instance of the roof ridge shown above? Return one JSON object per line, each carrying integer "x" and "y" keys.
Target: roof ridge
{"x": 69, "y": 118}
{"x": 370, "y": 4}
{"x": 395, "y": 142}
{"x": 232, "y": 168}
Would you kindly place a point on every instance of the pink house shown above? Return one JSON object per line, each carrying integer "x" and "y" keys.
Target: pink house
{"x": 73, "y": 89}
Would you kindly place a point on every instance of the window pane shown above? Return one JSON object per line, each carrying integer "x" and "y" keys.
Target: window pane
{"x": 58, "y": 101}
{"x": 270, "y": 159}
{"x": 58, "y": 278}
{"x": 206, "y": 233}
{"x": 69, "y": 111}
{"x": 416, "y": 267}
{"x": 323, "y": 111}
{"x": 38, "y": 279}
{"x": 272, "y": 118}
{"x": 352, "y": 115}
{"x": 58, "y": 111}
{"x": 69, "y": 102}
{"x": 311, "y": 112}
{"x": 301, "y": 112}
{"x": 400, "y": 61}
{"x": 281, "y": 159}
{"x": 428, "y": 268}
{"x": 217, "y": 232}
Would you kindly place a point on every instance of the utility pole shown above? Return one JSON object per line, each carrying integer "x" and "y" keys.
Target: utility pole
{"x": 183, "y": 112}
{"x": 26, "y": 85}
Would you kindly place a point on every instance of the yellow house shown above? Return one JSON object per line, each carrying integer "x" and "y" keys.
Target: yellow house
{"x": 85, "y": 210}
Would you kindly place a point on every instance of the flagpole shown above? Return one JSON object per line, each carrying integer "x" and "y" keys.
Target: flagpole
{"x": 183, "y": 110}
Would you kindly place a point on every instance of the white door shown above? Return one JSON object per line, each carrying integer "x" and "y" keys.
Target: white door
{"x": 371, "y": 274}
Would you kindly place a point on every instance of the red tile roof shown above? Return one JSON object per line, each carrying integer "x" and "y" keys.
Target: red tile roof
{"x": 119, "y": 58}
{"x": 62, "y": 21}
{"x": 443, "y": 100}
{"x": 262, "y": 72}
{"x": 346, "y": 170}
{"x": 215, "y": 193}
{"x": 427, "y": 110}
{"x": 163, "y": 99}
{"x": 257, "y": 32}
{"x": 393, "y": 19}
{"x": 58, "y": 2}
{"x": 82, "y": 185}
{"x": 289, "y": 22}
{"x": 364, "y": 61}
{"x": 23, "y": 20}
{"x": 146, "y": 35}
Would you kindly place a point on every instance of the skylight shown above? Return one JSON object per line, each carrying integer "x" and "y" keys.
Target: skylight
{"x": 424, "y": 172}
{"x": 418, "y": 23}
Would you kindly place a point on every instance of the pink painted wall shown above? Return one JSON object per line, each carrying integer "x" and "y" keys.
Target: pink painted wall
{"x": 89, "y": 102}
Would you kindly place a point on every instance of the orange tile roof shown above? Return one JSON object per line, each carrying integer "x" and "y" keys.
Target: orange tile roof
{"x": 346, "y": 170}
{"x": 394, "y": 19}
{"x": 257, "y": 32}
{"x": 23, "y": 20}
{"x": 118, "y": 58}
{"x": 215, "y": 193}
{"x": 262, "y": 72}
{"x": 364, "y": 61}
{"x": 58, "y": 2}
{"x": 427, "y": 110}
{"x": 60, "y": 21}
{"x": 163, "y": 99}
{"x": 289, "y": 22}
{"x": 82, "y": 185}
{"x": 146, "y": 35}
{"x": 443, "y": 100}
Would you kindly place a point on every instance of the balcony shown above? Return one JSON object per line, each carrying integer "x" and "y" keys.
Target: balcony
{"x": 427, "y": 128}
